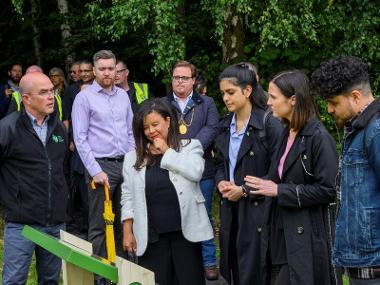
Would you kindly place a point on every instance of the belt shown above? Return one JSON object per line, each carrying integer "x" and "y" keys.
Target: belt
{"x": 364, "y": 273}
{"x": 119, "y": 158}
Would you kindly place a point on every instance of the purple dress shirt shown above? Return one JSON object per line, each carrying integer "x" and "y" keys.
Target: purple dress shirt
{"x": 102, "y": 125}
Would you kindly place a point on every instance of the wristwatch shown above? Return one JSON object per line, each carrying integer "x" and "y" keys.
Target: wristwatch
{"x": 245, "y": 191}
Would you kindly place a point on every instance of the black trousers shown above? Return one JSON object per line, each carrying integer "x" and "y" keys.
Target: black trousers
{"x": 280, "y": 275}
{"x": 174, "y": 260}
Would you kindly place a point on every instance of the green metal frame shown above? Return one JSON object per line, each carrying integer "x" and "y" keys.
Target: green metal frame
{"x": 94, "y": 264}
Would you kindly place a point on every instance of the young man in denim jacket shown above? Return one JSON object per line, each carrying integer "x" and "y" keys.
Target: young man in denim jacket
{"x": 344, "y": 83}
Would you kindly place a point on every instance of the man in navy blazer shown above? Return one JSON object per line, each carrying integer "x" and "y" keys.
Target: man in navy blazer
{"x": 198, "y": 118}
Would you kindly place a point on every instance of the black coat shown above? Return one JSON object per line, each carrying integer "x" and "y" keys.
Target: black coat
{"x": 243, "y": 222}
{"x": 33, "y": 188}
{"x": 304, "y": 193}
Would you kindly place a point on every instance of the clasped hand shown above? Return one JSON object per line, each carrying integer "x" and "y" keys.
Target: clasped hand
{"x": 230, "y": 190}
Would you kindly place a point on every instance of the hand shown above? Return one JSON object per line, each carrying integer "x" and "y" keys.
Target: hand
{"x": 72, "y": 146}
{"x": 8, "y": 92}
{"x": 234, "y": 194}
{"x": 224, "y": 186}
{"x": 129, "y": 242}
{"x": 101, "y": 178}
{"x": 264, "y": 187}
{"x": 160, "y": 145}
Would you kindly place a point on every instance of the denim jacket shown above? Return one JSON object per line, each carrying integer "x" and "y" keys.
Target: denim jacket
{"x": 357, "y": 240}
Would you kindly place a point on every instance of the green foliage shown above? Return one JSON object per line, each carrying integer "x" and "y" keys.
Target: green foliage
{"x": 18, "y": 5}
{"x": 165, "y": 38}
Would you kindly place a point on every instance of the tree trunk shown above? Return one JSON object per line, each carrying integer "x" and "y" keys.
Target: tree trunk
{"x": 35, "y": 12}
{"x": 65, "y": 30}
{"x": 233, "y": 36}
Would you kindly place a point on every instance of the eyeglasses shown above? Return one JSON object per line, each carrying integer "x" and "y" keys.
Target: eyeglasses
{"x": 44, "y": 92}
{"x": 54, "y": 75}
{"x": 120, "y": 71}
{"x": 182, "y": 78}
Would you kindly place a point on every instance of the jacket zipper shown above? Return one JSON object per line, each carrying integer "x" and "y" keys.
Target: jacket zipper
{"x": 48, "y": 218}
{"x": 49, "y": 186}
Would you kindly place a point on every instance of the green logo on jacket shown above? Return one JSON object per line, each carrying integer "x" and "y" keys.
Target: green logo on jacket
{"x": 57, "y": 138}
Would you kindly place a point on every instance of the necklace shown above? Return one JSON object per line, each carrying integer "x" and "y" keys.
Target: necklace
{"x": 182, "y": 123}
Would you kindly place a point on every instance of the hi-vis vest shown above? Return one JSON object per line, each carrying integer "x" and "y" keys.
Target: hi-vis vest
{"x": 59, "y": 103}
{"x": 17, "y": 97}
{"x": 141, "y": 92}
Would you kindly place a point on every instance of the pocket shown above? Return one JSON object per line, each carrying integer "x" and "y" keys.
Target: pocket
{"x": 375, "y": 228}
{"x": 355, "y": 164}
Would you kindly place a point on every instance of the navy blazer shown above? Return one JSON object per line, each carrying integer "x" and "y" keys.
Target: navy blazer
{"x": 204, "y": 118}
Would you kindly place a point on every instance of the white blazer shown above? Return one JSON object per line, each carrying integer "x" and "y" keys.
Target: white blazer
{"x": 185, "y": 171}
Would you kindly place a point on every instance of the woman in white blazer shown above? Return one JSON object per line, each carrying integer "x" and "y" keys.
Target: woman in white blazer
{"x": 163, "y": 213}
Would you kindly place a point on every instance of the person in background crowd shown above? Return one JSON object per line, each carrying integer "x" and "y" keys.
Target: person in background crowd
{"x": 74, "y": 72}
{"x": 58, "y": 79}
{"x": 253, "y": 67}
{"x": 198, "y": 118}
{"x": 137, "y": 92}
{"x": 78, "y": 203}
{"x": 86, "y": 78}
{"x": 163, "y": 209}
{"x": 11, "y": 86}
{"x": 301, "y": 184}
{"x": 16, "y": 100}
{"x": 33, "y": 188}
{"x": 200, "y": 85}
{"x": 344, "y": 83}
{"x": 102, "y": 127}
{"x": 248, "y": 138}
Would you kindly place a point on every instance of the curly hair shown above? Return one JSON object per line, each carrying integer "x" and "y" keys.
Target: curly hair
{"x": 339, "y": 75}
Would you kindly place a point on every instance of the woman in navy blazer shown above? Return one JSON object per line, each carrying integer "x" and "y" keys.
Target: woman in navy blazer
{"x": 163, "y": 212}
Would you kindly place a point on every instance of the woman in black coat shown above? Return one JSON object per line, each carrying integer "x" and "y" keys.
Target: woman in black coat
{"x": 244, "y": 146}
{"x": 302, "y": 186}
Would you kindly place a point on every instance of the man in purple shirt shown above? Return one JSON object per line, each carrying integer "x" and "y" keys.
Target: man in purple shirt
{"x": 102, "y": 128}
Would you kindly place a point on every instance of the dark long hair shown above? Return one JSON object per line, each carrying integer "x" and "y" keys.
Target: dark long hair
{"x": 162, "y": 107}
{"x": 295, "y": 82}
{"x": 241, "y": 75}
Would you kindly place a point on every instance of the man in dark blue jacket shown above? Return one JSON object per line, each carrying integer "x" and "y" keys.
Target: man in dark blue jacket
{"x": 198, "y": 119}
{"x": 32, "y": 184}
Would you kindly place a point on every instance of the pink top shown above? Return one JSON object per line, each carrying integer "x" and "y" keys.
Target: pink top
{"x": 283, "y": 157}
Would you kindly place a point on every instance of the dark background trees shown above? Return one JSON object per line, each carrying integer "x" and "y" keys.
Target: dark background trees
{"x": 151, "y": 34}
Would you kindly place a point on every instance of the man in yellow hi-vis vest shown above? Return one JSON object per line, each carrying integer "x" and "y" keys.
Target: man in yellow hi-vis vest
{"x": 137, "y": 92}
{"x": 15, "y": 104}
{"x": 10, "y": 87}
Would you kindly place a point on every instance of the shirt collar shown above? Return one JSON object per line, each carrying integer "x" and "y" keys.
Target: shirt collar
{"x": 233, "y": 125}
{"x": 176, "y": 98}
{"x": 99, "y": 89}
{"x": 34, "y": 120}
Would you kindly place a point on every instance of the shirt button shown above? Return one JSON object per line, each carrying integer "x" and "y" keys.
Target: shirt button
{"x": 255, "y": 203}
{"x": 300, "y": 230}
{"x": 259, "y": 230}
{"x": 251, "y": 153}
{"x": 180, "y": 193}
